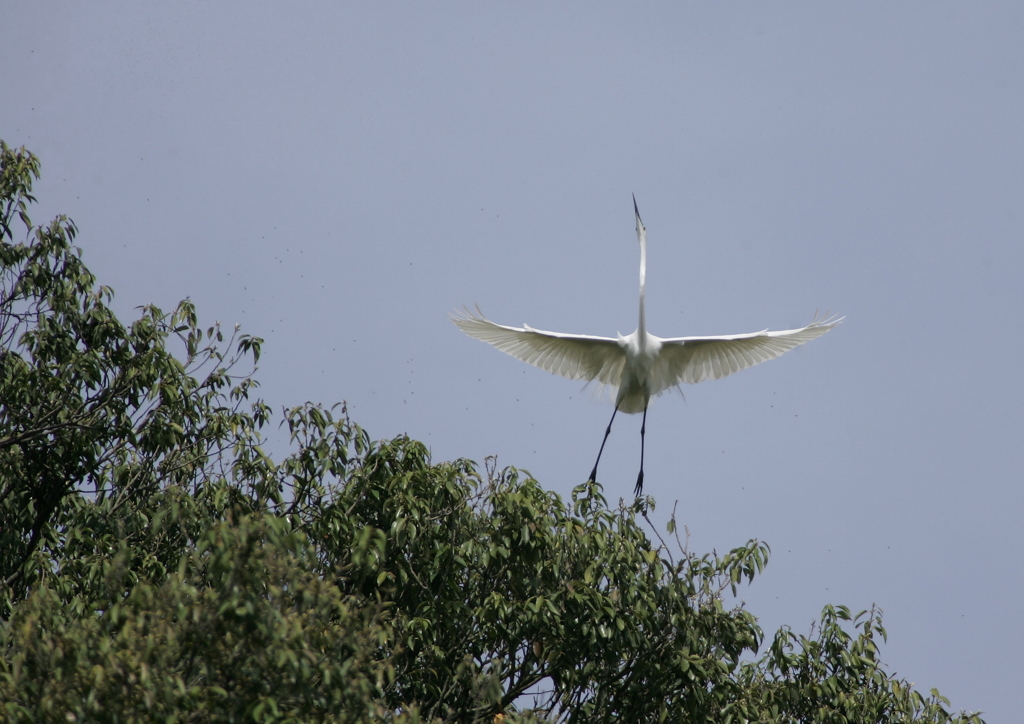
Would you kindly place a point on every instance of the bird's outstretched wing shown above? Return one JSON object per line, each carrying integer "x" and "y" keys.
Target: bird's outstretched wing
{"x": 695, "y": 359}
{"x": 576, "y": 356}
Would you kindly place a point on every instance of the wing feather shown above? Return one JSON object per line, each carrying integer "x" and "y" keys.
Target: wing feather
{"x": 695, "y": 359}
{"x": 576, "y": 356}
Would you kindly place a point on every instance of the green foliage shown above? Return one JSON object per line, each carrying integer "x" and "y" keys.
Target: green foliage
{"x": 157, "y": 565}
{"x": 503, "y": 580}
{"x": 835, "y": 676}
{"x": 244, "y": 630}
{"x": 93, "y": 407}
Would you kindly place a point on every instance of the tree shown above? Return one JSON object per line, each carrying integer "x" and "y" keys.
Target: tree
{"x": 157, "y": 565}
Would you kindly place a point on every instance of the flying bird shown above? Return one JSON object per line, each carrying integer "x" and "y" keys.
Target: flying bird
{"x": 640, "y": 365}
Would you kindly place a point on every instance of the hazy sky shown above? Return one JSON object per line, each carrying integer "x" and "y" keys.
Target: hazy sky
{"x": 339, "y": 177}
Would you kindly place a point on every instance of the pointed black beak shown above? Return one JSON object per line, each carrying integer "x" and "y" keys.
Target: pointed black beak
{"x": 635, "y": 209}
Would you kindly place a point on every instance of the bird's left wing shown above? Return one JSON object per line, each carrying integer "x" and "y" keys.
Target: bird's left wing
{"x": 576, "y": 356}
{"x": 695, "y": 359}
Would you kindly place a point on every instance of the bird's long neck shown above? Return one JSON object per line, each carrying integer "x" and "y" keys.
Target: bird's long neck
{"x": 642, "y": 326}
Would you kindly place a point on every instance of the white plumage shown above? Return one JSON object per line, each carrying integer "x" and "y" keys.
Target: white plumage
{"x": 668, "y": 362}
{"x": 640, "y": 365}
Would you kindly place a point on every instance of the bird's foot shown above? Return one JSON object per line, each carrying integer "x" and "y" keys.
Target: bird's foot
{"x": 639, "y": 484}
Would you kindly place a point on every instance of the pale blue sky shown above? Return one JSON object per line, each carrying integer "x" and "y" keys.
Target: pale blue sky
{"x": 339, "y": 177}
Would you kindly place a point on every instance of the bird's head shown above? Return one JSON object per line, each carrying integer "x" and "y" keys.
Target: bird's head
{"x": 641, "y": 231}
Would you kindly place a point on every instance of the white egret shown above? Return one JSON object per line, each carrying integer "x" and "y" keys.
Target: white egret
{"x": 640, "y": 365}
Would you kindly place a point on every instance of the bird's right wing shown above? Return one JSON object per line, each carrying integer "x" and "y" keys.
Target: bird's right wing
{"x": 695, "y": 359}
{"x": 576, "y": 356}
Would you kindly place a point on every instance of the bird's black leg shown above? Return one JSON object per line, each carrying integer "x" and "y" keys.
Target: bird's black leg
{"x": 640, "y": 477}
{"x": 593, "y": 473}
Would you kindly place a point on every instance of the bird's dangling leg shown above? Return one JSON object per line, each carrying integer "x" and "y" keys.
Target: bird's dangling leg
{"x": 593, "y": 473}
{"x": 640, "y": 477}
